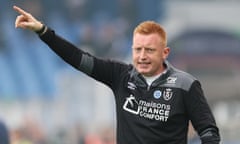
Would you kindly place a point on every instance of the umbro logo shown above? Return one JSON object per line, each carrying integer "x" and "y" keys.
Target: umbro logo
{"x": 131, "y": 86}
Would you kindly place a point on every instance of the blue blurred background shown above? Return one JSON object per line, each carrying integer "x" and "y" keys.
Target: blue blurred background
{"x": 45, "y": 101}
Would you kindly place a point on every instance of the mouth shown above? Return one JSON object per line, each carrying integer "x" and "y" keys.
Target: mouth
{"x": 143, "y": 64}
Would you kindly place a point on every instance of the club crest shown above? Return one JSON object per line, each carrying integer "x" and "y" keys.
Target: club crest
{"x": 157, "y": 94}
{"x": 167, "y": 94}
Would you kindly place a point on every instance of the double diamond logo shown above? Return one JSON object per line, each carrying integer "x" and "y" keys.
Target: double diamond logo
{"x": 131, "y": 105}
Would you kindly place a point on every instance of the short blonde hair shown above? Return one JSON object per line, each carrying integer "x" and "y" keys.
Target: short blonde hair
{"x": 149, "y": 27}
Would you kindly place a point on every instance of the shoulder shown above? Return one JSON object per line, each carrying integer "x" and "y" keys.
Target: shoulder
{"x": 112, "y": 67}
{"x": 183, "y": 79}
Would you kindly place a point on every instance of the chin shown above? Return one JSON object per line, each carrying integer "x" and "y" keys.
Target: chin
{"x": 143, "y": 73}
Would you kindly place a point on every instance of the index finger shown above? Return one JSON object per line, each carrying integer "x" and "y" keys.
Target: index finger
{"x": 20, "y": 11}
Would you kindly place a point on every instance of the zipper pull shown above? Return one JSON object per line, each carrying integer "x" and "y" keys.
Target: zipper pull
{"x": 148, "y": 87}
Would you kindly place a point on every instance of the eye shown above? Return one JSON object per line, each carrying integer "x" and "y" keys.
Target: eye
{"x": 150, "y": 50}
{"x": 137, "y": 49}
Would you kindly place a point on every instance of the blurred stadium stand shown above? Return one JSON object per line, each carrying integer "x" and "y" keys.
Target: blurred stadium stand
{"x": 213, "y": 57}
{"x": 62, "y": 104}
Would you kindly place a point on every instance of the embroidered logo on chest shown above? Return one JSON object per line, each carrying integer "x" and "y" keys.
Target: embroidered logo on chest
{"x": 167, "y": 94}
{"x": 157, "y": 94}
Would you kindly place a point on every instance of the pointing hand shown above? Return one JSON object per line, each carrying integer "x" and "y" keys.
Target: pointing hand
{"x": 26, "y": 20}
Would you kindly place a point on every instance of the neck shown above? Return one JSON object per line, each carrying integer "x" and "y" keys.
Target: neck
{"x": 150, "y": 79}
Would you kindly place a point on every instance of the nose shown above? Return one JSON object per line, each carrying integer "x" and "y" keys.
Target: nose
{"x": 143, "y": 54}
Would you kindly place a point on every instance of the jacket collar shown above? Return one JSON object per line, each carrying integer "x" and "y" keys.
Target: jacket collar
{"x": 139, "y": 81}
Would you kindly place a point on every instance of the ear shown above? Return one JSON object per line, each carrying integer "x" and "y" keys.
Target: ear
{"x": 166, "y": 52}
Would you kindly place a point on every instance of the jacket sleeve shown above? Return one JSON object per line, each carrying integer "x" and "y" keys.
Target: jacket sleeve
{"x": 201, "y": 115}
{"x": 103, "y": 70}
{"x": 68, "y": 52}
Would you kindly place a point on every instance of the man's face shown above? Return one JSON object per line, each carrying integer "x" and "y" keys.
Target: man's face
{"x": 148, "y": 54}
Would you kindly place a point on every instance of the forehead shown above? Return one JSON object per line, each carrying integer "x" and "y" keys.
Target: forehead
{"x": 146, "y": 39}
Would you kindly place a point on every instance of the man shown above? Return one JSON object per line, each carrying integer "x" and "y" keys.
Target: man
{"x": 154, "y": 100}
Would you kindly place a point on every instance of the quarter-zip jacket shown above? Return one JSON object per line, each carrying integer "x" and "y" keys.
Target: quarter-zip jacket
{"x": 158, "y": 114}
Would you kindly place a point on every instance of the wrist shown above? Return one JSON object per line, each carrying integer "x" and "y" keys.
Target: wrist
{"x": 42, "y": 30}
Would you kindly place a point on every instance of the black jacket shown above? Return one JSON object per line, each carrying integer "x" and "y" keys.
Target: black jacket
{"x": 156, "y": 114}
